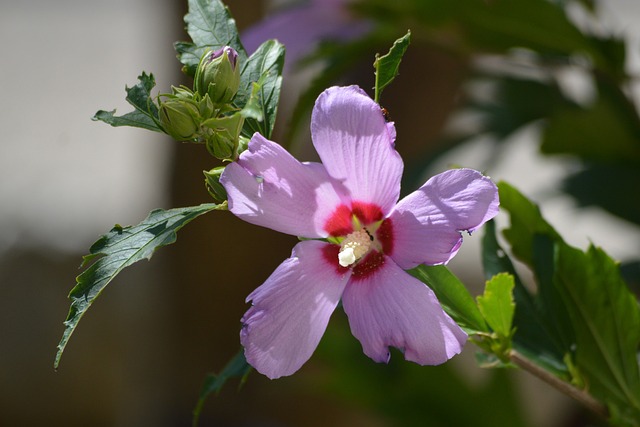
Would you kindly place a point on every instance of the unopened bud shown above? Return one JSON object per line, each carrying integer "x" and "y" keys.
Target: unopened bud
{"x": 223, "y": 135}
{"x": 212, "y": 181}
{"x": 218, "y": 75}
{"x": 179, "y": 118}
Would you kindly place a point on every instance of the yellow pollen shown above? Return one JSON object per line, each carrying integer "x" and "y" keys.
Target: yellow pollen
{"x": 354, "y": 246}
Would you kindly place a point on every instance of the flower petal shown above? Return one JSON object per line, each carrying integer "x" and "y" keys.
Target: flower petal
{"x": 427, "y": 223}
{"x": 392, "y": 308}
{"x": 301, "y": 28}
{"x": 291, "y": 310}
{"x": 356, "y": 145}
{"x": 267, "y": 186}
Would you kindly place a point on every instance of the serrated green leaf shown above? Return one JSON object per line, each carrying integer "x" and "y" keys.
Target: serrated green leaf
{"x": 455, "y": 299}
{"x": 603, "y": 313}
{"x": 118, "y": 249}
{"x": 145, "y": 114}
{"x": 535, "y": 335}
{"x": 265, "y": 68}
{"x": 388, "y": 66}
{"x": 237, "y": 367}
{"x": 496, "y": 304}
{"x": 210, "y": 26}
{"x": 608, "y": 337}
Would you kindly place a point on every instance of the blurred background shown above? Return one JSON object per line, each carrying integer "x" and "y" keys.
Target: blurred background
{"x": 539, "y": 93}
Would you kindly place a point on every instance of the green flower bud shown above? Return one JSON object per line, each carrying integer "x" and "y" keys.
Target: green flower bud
{"x": 218, "y": 75}
{"x": 179, "y": 118}
{"x": 212, "y": 181}
{"x": 222, "y": 135}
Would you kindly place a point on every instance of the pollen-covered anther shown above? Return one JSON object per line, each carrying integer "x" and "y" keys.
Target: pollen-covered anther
{"x": 354, "y": 246}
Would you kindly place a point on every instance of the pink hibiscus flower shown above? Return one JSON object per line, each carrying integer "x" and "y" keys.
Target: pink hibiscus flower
{"x": 362, "y": 239}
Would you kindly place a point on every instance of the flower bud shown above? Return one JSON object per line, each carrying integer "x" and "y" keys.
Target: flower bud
{"x": 212, "y": 181}
{"x": 218, "y": 75}
{"x": 179, "y": 118}
{"x": 223, "y": 135}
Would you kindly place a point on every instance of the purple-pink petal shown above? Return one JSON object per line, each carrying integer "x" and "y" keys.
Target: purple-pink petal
{"x": 267, "y": 186}
{"x": 428, "y": 222}
{"x": 291, "y": 310}
{"x": 355, "y": 144}
{"x": 301, "y": 28}
{"x": 393, "y": 309}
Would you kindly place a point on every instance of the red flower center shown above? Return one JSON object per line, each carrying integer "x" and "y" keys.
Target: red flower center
{"x": 367, "y": 217}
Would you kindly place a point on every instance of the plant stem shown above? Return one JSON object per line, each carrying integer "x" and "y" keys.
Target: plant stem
{"x": 580, "y": 395}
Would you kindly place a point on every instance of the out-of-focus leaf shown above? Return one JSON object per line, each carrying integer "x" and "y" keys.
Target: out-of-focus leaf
{"x": 600, "y": 132}
{"x": 517, "y": 102}
{"x": 145, "y": 114}
{"x": 535, "y": 24}
{"x": 496, "y": 304}
{"x": 237, "y": 367}
{"x": 118, "y": 249}
{"x": 265, "y": 67}
{"x": 454, "y": 297}
{"x": 210, "y": 26}
{"x": 610, "y": 187}
{"x": 387, "y": 66}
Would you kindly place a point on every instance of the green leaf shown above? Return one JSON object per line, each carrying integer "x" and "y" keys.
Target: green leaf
{"x": 601, "y": 132}
{"x": 118, "y": 249}
{"x": 535, "y": 335}
{"x": 453, "y": 296}
{"x": 526, "y": 221}
{"x": 145, "y": 114}
{"x": 589, "y": 293}
{"x": 265, "y": 68}
{"x": 237, "y": 367}
{"x": 210, "y": 26}
{"x": 607, "y": 325}
{"x": 496, "y": 304}
{"x": 608, "y": 187}
{"x": 388, "y": 66}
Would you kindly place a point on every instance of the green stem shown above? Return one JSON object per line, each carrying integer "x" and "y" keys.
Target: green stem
{"x": 580, "y": 395}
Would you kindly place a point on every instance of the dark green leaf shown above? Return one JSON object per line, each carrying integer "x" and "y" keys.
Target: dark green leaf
{"x": 600, "y": 132}
{"x": 388, "y": 66}
{"x": 535, "y": 24}
{"x": 535, "y": 335}
{"x": 210, "y": 26}
{"x": 118, "y": 249}
{"x": 265, "y": 68}
{"x": 145, "y": 114}
{"x": 496, "y": 304}
{"x": 609, "y": 187}
{"x": 237, "y": 367}
{"x": 606, "y": 319}
{"x": 603, "y": 313}
{"x": 454, "y": 297}
{"x": 526, "y": 221}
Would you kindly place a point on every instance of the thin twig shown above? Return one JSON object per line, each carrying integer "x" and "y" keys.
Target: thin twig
{"x": 580, "y": 395}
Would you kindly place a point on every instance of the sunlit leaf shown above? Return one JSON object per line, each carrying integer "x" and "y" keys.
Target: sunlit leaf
{"x": 210, "y": 26}
{"x": 535, "y": 335}
{"x": 387, "y": 66}
{"x": 454, "y": 297}
{"x": 264, "y": 67}
{"x": 588, "y": 292}
{"x": 145, "y": 114}
{"x": 496, "y": 303}
{"x": 118, "y": 249}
